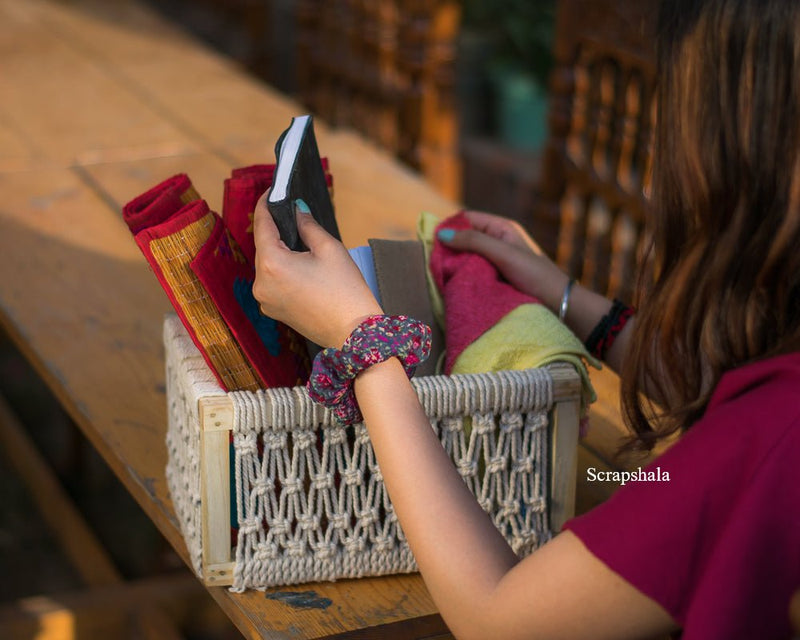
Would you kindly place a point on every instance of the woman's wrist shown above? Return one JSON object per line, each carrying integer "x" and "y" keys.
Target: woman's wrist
{"x": 374, "y": 340}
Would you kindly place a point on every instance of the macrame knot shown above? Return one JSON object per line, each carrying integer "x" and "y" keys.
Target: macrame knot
{"x": 279, "y": 527}
{"x": 467, "y": 468}
{"x": 308, "y": 522}
{"x": 276, "y": 440}
{"x": 292, "y": 486}
{"x": 451, "y": 424}
{"x": 266, "y": 551}
{"x": 304, "y": 439}
{"x": 497, "y": 464}
{"x": 336, "y": 435}
{"x": 384, "y": 544}
{"x": 322, "y": 481}
{"x": 262, "y": 487}
{"x": 354, "y": 545}
{"x": 367, "y": 517}
{"x": 483, "y": 424}
{"x": 352, "y": 477}
{"x": 510, "y": 422}
{"x": 522, "y": 465}
{"x": 323, "y": 552}
{"x": 249, "y": 525}
{"x": 246, "y": 444}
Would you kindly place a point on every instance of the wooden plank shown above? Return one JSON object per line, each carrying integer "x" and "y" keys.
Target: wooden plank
{"x": 215, "y": 484}
{"x": 566, "y": 382}
{"x": 85, "y": 309}
{"x": 563, "y": 462}
{"x": 65, "y": 107}
{"x": 200, "y": 93}
{"x": 119, "y": 182}
{"x": 216, "y": 425}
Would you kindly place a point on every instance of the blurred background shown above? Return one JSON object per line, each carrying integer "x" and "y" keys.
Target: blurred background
{"x": 456, "y": 88}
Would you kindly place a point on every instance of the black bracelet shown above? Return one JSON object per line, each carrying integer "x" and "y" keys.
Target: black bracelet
{"x": 597, "y": 343}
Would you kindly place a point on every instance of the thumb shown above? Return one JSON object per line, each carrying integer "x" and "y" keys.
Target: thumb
{"x": 310, "y": 231}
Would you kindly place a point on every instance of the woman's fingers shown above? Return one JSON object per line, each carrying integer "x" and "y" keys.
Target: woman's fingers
{"x": 503, "y": 229}
{"x": 490, "y": 247}
{"x": 515, "y": 255}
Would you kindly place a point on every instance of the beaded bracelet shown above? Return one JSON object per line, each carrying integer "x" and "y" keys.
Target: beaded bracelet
{"x": 376, "y": 339}
{"x": 610, "y": 326}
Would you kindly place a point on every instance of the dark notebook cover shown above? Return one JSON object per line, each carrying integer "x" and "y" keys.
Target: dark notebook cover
{"x": 299, "y": 174}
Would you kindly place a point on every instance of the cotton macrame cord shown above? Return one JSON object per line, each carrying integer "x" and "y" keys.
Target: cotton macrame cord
{"x": 188, "y": 379}
{"x": 310, "y": 499}
{"x": 314, "y": 506}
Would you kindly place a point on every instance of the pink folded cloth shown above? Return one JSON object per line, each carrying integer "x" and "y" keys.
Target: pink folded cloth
{"x": 475, "y": 295}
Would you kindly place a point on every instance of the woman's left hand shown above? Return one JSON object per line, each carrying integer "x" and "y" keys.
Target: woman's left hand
{"x": 319, "y": 292}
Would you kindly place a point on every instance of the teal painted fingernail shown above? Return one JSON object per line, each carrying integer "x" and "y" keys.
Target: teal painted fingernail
{"x": 446, "y": 235}
{"x": 302, "y": 206}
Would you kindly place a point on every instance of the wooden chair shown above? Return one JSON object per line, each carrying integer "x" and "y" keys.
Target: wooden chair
{"x": 386, "y": 68}
{"x": 592, "y": 198}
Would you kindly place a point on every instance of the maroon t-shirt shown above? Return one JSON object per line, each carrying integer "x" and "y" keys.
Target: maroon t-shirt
{"x": 718, "y": 544}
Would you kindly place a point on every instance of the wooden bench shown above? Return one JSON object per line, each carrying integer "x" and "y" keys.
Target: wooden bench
{"x": 101, "y": 101}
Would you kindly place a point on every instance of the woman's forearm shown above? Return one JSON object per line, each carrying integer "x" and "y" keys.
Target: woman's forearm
{"x": 460, "y": 553}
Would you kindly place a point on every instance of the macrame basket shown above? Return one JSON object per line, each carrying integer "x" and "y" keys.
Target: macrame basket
{"x": 269, "y": 491}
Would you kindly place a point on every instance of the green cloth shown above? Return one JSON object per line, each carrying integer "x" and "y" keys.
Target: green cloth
{"x": 528, "y": 337}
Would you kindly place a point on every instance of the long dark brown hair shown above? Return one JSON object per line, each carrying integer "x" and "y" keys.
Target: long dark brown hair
{"x": 723, "y": 284}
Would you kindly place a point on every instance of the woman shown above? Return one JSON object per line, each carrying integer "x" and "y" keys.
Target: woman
{"x": 715, "y": 552}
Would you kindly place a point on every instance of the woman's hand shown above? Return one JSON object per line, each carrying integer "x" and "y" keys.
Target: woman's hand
{"x": 320, "y": 292}
{"x": 522, "y": 262}
{"x": 515, "y": 254}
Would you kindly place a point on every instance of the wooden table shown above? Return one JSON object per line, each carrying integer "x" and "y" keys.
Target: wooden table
{"x": 99, "y": 101}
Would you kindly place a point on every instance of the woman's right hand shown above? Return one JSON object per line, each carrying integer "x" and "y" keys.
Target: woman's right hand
{"x": 515, "y": 254}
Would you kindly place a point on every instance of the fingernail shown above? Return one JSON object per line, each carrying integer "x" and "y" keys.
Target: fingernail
{"x": 302, "y": 207}
{"x": 446, "y": 235}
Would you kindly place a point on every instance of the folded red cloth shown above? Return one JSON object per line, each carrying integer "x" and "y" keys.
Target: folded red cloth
{"x": 209, "y": 280}
{"x": 159, "y": 203}
{"x": 242, "y": 191}
{"x": 475, "y": 295}
{"x": 170, "y": 247}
